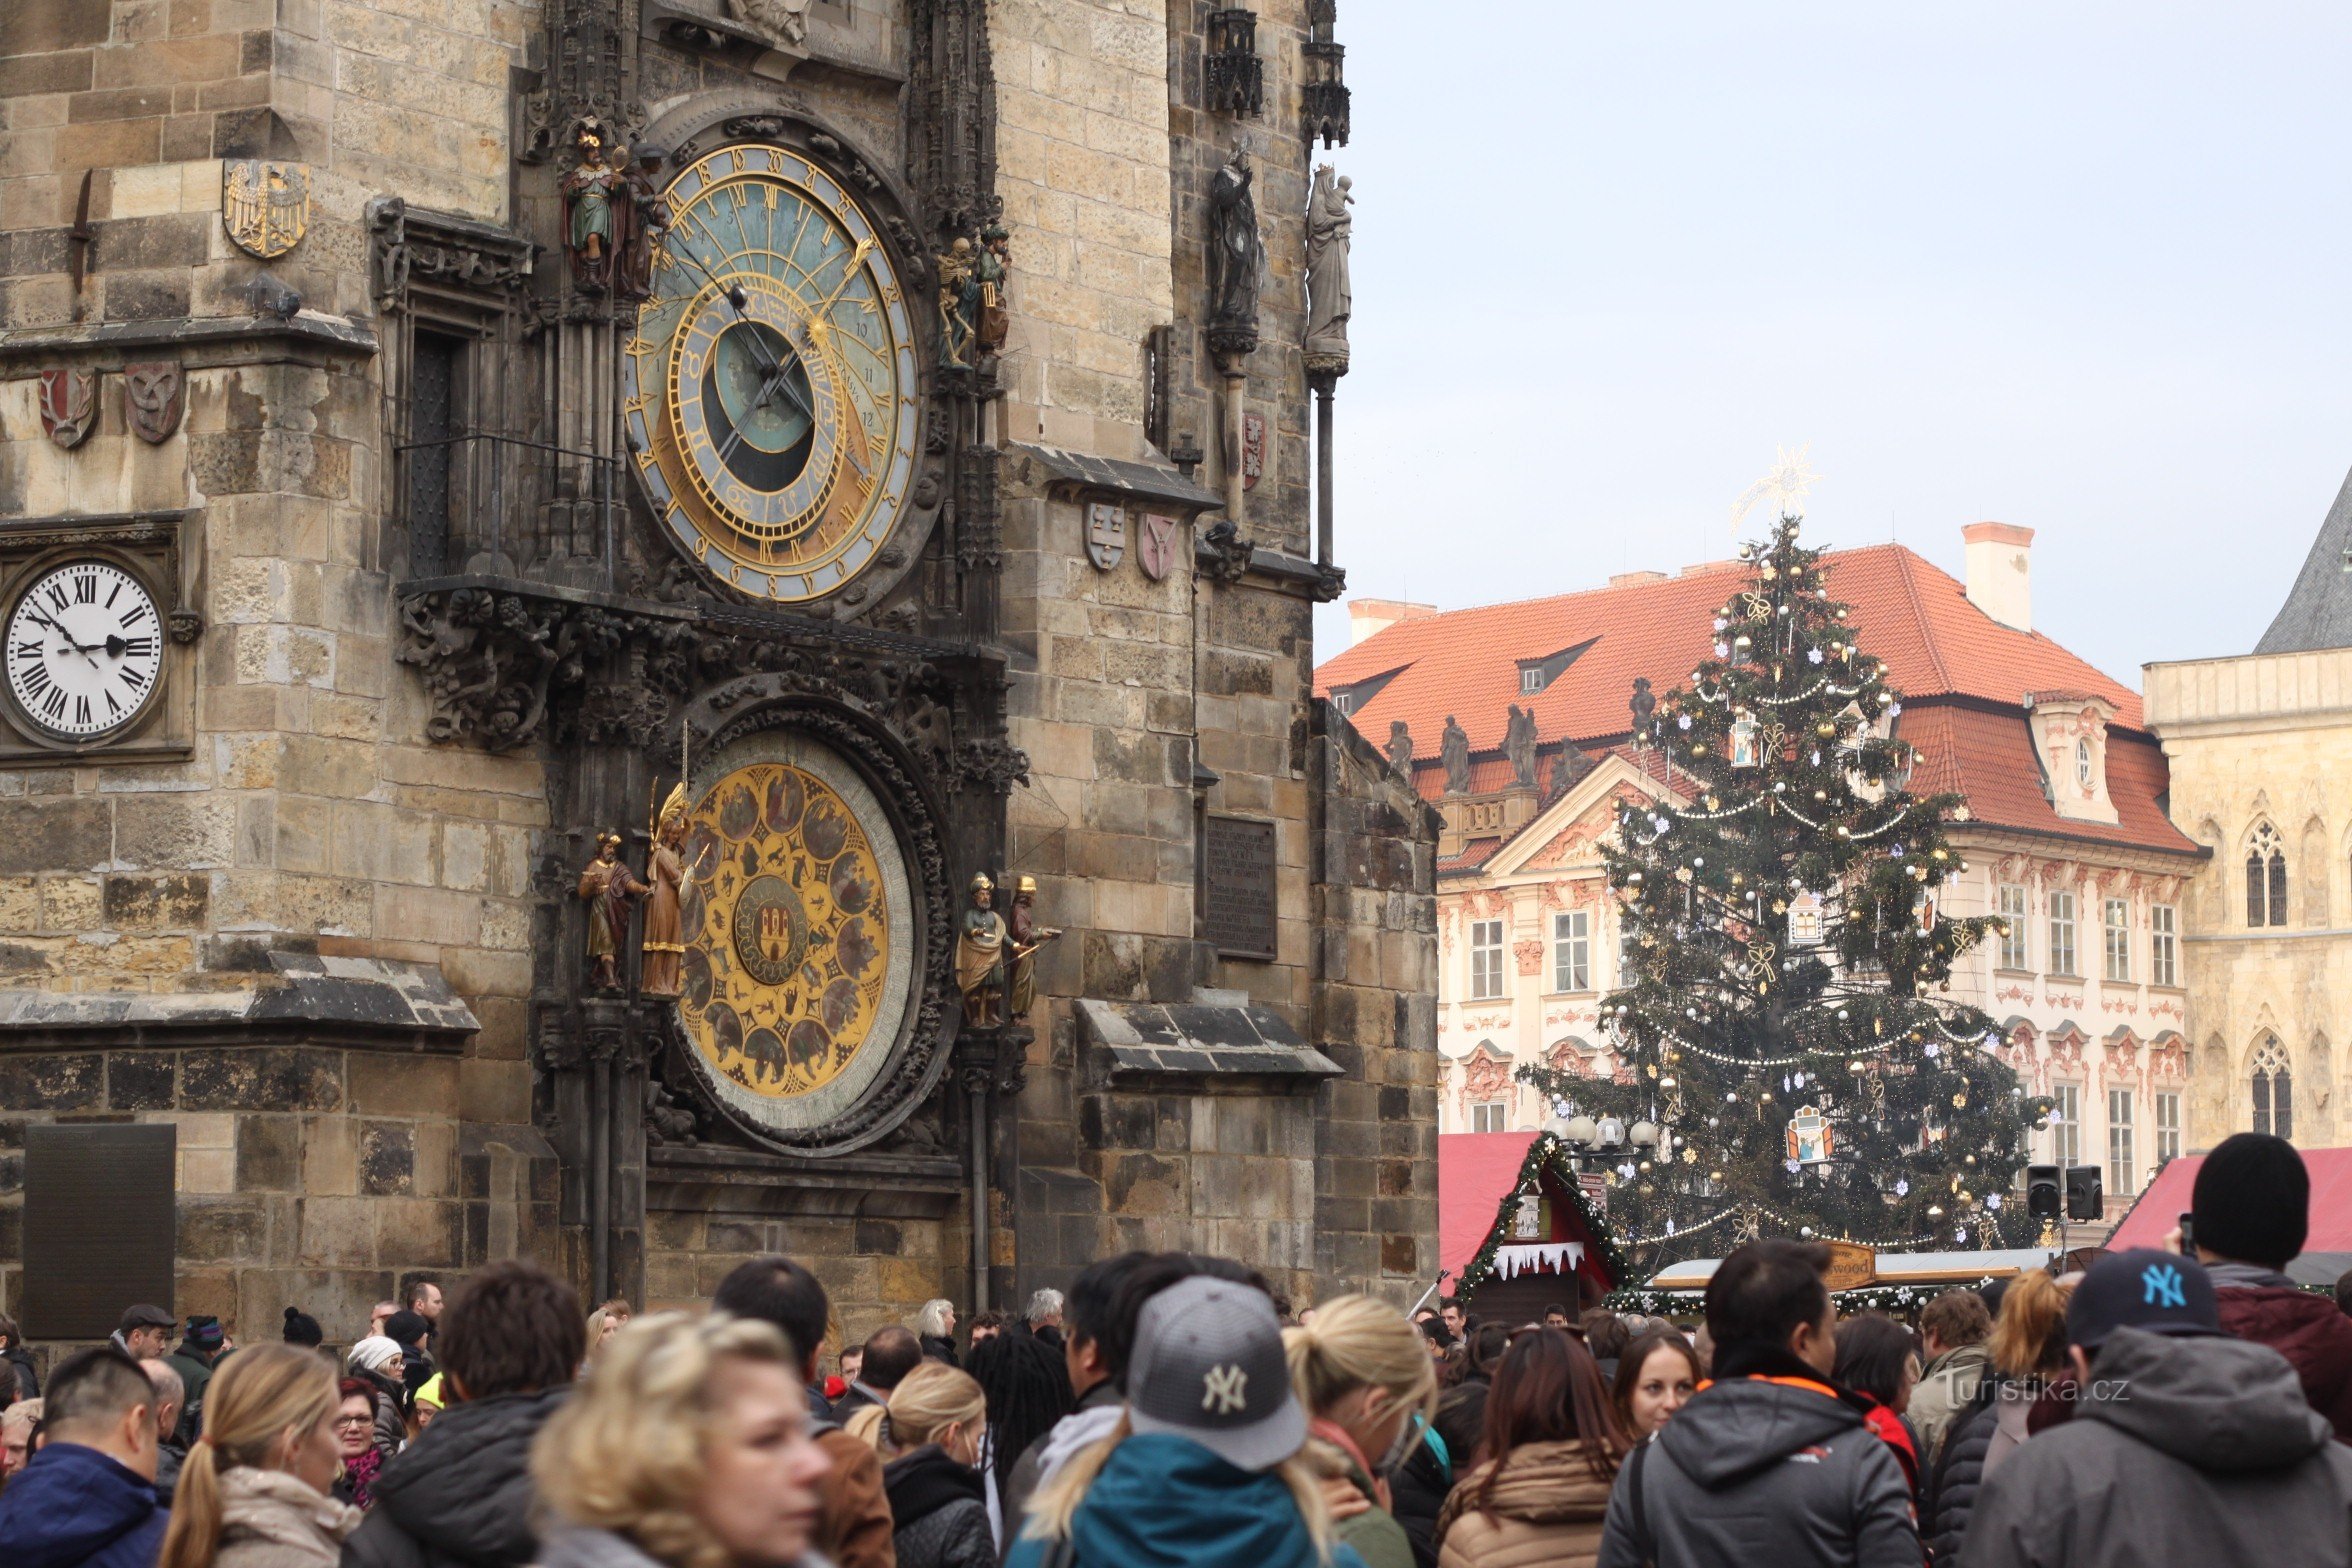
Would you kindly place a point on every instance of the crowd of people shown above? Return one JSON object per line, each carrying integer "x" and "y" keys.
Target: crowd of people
{"x": 2167, "y": 1406}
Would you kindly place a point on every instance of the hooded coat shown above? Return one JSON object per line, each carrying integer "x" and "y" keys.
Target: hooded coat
{"x": 1946, "y": 1388}
{"x": 1163, "y": 1501}
{"x": 1763, "y": 1469}
{"x": 270, "y": 1519}
{"x": 2187, "y": 1450}
{"x": 939, "y": 1510}
{"x": 460, "y": 1496}
{"x": 1546, "y": 1507}
{"x": 2310, "y": 1331}
{"x": 74, "y": 1507}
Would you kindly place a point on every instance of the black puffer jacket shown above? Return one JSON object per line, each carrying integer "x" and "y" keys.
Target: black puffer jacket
{"x": 1417, "y": 1491}
{"x": 940, "y": 1511}
{"x": 460, "y": 1496}
{"x": 1959, "y": 1472}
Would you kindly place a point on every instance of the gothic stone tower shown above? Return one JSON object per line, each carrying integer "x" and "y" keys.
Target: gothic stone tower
{"x": 546, "y": 547}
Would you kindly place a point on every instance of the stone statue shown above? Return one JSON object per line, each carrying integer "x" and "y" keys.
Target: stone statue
{"x": 665, "y": 871}
{"x": 1027, "y": 936}
{"x": 1453, "y": 749}
{"x": 588, "y": 194}
{"x": 1519, "y": 745}
{"x": 959, "y": 295}
{"x": 608, "y": 885}
{"x": 990, "y": 322}
{"x": 1644, "y": 702}
{"x": 1400, "y": 747}
{"x": 780, "y": 22}
{"x": 640, "y": 218}
{"x": 1237, "y": 256}
{"x": 1329, "y": 299}
{"x": 980, "y": 957}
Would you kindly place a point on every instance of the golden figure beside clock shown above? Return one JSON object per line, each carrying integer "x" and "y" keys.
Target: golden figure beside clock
{"x": 770, "y": 390}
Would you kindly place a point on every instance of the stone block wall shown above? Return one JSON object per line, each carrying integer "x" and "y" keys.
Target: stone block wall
{"x": 875, "y": 1272}
{"x": 308, "y": 1175}
{"x": 1083, "y": 166}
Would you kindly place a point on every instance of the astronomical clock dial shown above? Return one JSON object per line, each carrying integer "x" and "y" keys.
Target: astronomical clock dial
{"x": 85, "y": 650}
{"x": 797, "y": 916}
{"x": 771, "y": 391}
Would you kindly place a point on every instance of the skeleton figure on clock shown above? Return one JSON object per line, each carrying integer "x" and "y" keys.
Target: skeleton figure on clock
{"x": 85, "y": 651}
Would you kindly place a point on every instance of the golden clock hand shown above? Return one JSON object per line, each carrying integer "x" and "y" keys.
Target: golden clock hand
{"x": 857, "y": 262}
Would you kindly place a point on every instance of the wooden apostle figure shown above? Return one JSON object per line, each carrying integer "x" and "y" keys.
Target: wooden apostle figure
{"x": 665, "y": 870}
{"x": 980, "y": 957}
{"x": 608, "y": 885}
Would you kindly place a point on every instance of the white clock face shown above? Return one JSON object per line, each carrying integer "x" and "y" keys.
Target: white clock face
{"x": 85, "y": 649}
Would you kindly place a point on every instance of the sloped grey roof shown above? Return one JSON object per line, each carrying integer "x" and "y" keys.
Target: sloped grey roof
{"x": 2318, "y": 611}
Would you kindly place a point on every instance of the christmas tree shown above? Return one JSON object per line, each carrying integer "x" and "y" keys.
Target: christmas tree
{"x": 1788, "y": 1064}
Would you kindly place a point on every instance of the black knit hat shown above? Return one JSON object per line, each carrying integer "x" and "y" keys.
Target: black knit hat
{"x": 406, "y": 1329}
{"x": 2253, "y": 1200}
{"x": 302, "y": 1328}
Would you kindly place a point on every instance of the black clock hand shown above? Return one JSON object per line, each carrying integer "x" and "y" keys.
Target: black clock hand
{"x": 767, "y": 389}
{"x": 736, "y": 298}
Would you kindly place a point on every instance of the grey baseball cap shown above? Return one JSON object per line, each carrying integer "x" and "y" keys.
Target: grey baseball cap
{"x": 1208, "y": 1365}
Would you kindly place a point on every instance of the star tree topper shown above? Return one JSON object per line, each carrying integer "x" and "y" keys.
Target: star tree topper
{"x": 1786, "y": 484}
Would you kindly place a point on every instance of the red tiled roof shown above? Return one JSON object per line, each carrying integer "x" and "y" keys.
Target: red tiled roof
{"x": 1477, "y": 852}
{"x": 1904, "y": 610}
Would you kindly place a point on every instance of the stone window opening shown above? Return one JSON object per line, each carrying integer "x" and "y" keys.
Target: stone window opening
{"x": 1486, "y": 960}
{"x": 2266, "y": 878}
{"x": 2273, "y": 1084}
{"x": 2116, "y": 925}
{"x": 2016, "y": 944}
{"x": 2062, "y": 934}
{"x": 2122, "y": 1168}
{"x": 2163, "y": 945}
{"x": 2168, "y": 1128}
{"x": 1572, "y": 951}
{"x": 2066, "y": 1124}
{"x": 1490, "y": 1116}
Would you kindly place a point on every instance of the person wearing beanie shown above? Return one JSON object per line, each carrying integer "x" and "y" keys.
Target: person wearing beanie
{"x": 376, "y": 1359}
{"x": 302, "y": 1329}
{"x": 200, "y": 1350}
{"x": 2188, "y": 1446}
{"x": 2252, "y": 1210}
{"x": 408, "y": 1331}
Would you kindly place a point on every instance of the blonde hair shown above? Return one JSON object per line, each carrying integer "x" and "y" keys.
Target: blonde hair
{"x": 258, "y": 1399}
{"x": 1056, "y": 1502}
{"x": 625, "y": 1453}
{"x": 2029, "y": 1335}
{"x": 1360, "y": 1342}
{"x": 932, "y": 1320}
{"x": 932, "y": 1398}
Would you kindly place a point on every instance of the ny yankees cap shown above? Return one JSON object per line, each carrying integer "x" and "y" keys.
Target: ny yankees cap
{"x": 1208, "y": 1366}
{"x": 2158, "y": 1292}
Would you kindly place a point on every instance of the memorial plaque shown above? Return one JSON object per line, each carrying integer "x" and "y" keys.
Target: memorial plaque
{"x": 98, "y": 1225}
{"x": 1237, "y": 886}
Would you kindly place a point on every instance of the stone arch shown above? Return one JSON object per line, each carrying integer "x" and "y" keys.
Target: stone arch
{"x": 2270, "y": 1085}
{"x": 2313, "y": 874}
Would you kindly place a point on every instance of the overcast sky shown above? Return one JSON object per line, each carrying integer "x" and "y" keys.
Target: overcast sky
{"x": 2086, "y": 268}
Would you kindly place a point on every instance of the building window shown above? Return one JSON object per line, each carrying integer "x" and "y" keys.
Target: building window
{"x": 2266, "y": 878}
{"x": 2122, "y": 1169}
{"x": 2062, "y": 934}
{"x": 1486, "y": 960}
{"x": 1572, "y": 951}
{"x": 2168, "y": 1127}
{"x": 2016, "y": 948}
{"x": 2066, "y": 1124}
{"x": 2163, "y": 945}
{"x": 1531, "y": 680}
{"x": 1490, "y": 1116}
{"x": 2274, "y": 1090}
{"x": 1344, "y": 701}
{"x": 2116, "y": 923}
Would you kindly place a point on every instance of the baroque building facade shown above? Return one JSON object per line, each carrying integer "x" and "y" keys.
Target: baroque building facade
{"x": 2253, "y": 743}
{"x": 554, "y": 548}
{"x": 2066, "y": 836}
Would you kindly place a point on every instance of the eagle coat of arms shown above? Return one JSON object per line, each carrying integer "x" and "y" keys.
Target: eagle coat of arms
{"x": 265, "y": 205}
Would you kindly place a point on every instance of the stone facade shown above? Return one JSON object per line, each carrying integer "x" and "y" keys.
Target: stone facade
{"x": 343, "y": 773}
{"x": 2252, "y": 743}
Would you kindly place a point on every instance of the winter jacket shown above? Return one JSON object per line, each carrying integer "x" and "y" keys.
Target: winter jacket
{"x": 1766, "y": 1464}
{"x": 1417, "y": 1493}
{"x": 460, "y": 1496}
{"x": 20, "y": 1360}
{"x": 2310, "y": 1331}
{"x": 2185, "y": 1450}
{"x": 1090, "y": 1420}
{"x": 1957, "y": 1475}
{"x": 74, "y": 1507}
{"x": 938, "y": 1347}
{"x": 1374, "y": 1533}
{"x": 391, "y": 1413}
{"x": 168, "y": 1459}
{"x": 1546, "y": 1508}
{"x": 853, "y": 1514}
{"x": 1163, "y": 1501}
{"x": 195, "y": 1377}
{"x": 1897, "y": 1436}
{"x": 569, "y": 1548}
{"x": 270, "y": 1519}
{"x": 939, "y": 1509}
{"x": 1946, "y": 1387}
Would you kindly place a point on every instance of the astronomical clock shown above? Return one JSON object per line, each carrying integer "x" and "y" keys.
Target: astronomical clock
{"x": 772, "y": 407}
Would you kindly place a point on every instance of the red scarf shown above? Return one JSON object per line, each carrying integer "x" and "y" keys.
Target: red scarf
{"x": 1339, "y": 1437}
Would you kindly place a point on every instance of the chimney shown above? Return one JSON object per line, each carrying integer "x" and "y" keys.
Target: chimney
{"x": 2000, "y": 572}
{"x": 1366, "y": 617}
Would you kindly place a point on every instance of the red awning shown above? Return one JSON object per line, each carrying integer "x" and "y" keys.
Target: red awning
{"x": 2159, "y": 1208}
{"x": 1474, "y": 1172}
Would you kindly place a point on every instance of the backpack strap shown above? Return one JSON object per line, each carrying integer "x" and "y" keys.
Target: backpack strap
{"x": 1643, "y": 1545}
